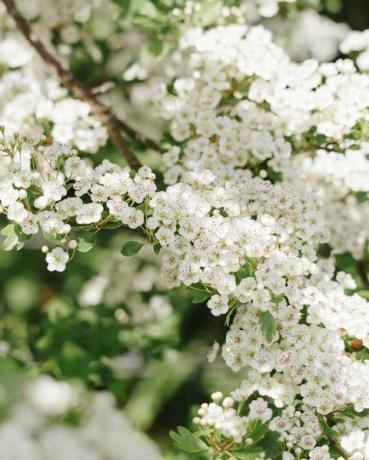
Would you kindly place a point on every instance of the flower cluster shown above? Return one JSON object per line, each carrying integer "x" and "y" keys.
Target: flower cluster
{"x": 357, "y": 44}
{"x": 49, "y": 190}
{"x": 264, "y": 152}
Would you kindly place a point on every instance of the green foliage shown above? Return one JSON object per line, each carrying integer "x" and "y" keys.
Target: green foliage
{"x": 13, "y": 237}
{"x": 199, "y": 293}
{"x": 244, "y": 272}
{"x": 250, "y": 453}
{"x": 187, "y": 441}
{"x": 86, "y": 242}
{"x": 267, "y": 325}
{"x": 131, "y": 248}
{"x": 257, "y": 430}
{"x": 328, "y": 431}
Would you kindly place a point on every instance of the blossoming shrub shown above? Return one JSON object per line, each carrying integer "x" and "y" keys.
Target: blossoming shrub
{"x": 263, "y": 191}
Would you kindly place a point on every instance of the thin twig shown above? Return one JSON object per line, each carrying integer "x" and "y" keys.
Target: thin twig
{"x": 113, "y": 124}
{"x": 340, "y": 449}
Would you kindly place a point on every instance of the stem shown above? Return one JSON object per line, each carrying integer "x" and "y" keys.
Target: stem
{"x": 341, "y": 450}
{"x": 112, "y": 123}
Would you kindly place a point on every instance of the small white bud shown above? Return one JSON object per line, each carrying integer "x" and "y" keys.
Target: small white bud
{"x": 45, "y": 249}
{"x": 228, "y": 402}
{"x": 40, "y": 202}
{"x": 217, "y": 396}
{"x": 72, "y": 244}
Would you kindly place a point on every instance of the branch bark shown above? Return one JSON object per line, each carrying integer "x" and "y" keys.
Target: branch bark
{"x": 113, "y": 124}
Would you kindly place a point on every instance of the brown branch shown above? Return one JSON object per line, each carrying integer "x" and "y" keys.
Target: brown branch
{"x": 113, "y": 124}
{"x": 340, "y": 449}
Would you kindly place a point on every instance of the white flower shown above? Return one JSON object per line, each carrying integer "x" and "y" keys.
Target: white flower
{"x": 89, "y": 213}
{"x": 218, "y": 304}
{"x": 57, "y": 260}
{"x": 51, "y": 397}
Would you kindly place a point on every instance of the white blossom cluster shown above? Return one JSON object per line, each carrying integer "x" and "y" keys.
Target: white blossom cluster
{"x": 267, "y": 160}
{"x": 33, "y": 102}
{"x": 299, "y": 430}
{"x": 357, "y": 44}
{"x": 356, "y": 444}
{"x": 49, "y": 190}
{"x": 247, "y": 105}
{"x": 337, "y": 178}
{"x": 37, "y": 428}
{"x": 245, "y": 111}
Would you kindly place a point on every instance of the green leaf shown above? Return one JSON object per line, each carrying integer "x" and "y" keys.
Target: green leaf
{"x": 350, "y": 412}
{"x": 257, "y": 430}
{"x": 267, "y": 325}
{"x": 131, "y": 248}
{"x": 198, "y": 293}
{"x": 244, "y": 272}
{"x": 156, "y": 247}
{"x": 327, "y": 430}
{"x": 363, "y": 293}
{"x": 156, "y": 47}
{"x": 187, "y": 441}
{"x": 248, "y": 454}
{"x": 271, "y": 445}
{"x": 11, "y": 237}
{"x": 86, "y": 243}
{"x": 199, "y": 297}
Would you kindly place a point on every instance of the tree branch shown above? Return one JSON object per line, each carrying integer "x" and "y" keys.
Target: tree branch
{"x": 112, "y": 123}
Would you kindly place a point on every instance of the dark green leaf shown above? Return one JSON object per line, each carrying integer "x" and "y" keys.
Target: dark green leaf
{"x": 199, "y": 293}
{"x": 327, "y": 430}
{"x": 157, "y": 247}
{"x": 244, "y": 272}
{"x": 257, "y": 430}
{"x": 131, "y": 248}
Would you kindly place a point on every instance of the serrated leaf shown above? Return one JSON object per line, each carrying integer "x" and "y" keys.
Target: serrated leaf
{"x": 131, "y": 248}
{"x": 187, "y": 441}
{"x": 267, "y": 325}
